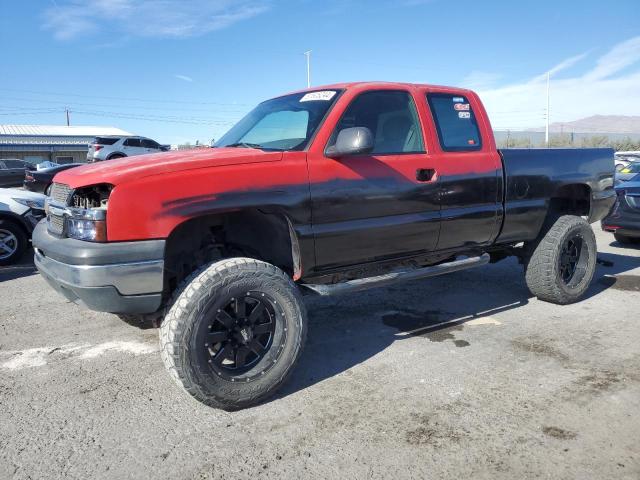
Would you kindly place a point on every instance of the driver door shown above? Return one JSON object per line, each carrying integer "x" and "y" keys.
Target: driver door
{"x": 380, "y": 205}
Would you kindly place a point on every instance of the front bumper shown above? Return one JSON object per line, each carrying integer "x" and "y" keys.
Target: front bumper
{"x": 124, "y": 277}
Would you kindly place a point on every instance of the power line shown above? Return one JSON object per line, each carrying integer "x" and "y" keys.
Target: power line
{"x": 128, "y": 99}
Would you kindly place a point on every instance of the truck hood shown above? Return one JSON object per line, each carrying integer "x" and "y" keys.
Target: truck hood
{"x": 116, "y": 172}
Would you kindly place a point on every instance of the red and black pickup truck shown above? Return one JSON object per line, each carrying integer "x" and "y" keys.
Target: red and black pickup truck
{"x": 323, "y": 191}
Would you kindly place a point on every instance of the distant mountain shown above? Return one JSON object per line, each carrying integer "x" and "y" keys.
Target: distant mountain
{"x": 597, "y": 124}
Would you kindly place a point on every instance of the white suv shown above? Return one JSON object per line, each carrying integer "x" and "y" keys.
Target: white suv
{"x": 108, "y": 148}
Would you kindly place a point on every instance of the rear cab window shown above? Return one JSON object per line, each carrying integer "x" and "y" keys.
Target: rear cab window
{"x": 455, "y": 122}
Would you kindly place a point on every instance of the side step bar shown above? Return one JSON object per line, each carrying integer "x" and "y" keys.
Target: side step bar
{"x": 460, "y": 263}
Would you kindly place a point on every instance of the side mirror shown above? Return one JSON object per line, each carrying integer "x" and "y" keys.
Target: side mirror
{"x": 351, "y": 141}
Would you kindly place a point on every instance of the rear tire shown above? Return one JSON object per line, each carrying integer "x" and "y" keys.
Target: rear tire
{"x": 563, "y": 261}
{"x": 116, "y": 156}
{"x": 234, "y": 333}
{"x": 13, "y": 242}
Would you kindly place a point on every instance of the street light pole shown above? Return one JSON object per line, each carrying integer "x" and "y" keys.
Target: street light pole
{"x": 546, "y": 132}
{"x": 308, "y": 55}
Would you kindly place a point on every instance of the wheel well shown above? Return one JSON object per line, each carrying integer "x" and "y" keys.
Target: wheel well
{"x": 249, "y": 233}
{"x": 574, "y": 199}
{"x": 17, "y": 221}
{"x": 116, "y": 154}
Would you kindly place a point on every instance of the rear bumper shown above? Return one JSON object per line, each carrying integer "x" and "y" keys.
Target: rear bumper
{"x": 624, "y": 228}
{"x": 101, "y": 276}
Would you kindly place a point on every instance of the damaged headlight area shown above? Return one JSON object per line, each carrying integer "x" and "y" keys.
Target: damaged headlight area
{"x": 82, "y": 216}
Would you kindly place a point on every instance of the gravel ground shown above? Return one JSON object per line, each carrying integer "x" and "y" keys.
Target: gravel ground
{"x": 511, "y": 388}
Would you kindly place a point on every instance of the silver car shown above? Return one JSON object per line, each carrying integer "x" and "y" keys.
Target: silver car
{"x": 109, "y": 148}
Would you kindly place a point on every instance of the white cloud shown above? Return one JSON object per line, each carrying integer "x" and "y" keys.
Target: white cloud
{"x": 184, "y": 77}
{"x": 148, "y": 18}
{"x": 610, "y": 87}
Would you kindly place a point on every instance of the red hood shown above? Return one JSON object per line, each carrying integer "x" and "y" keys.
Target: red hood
{"x": 121, "y": 170}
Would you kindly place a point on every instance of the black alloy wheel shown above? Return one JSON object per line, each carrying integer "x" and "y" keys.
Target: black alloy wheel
{"x": 572, "y": 260}
{"x": 240, "y": 334}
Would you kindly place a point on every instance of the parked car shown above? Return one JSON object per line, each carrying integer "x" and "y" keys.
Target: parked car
{"x": 623, "y": 159}
{"x": 109, "y": 148}
{"x": 624, "y": 219}
{"x": 628, "y": 172}
{"x": 20, "y": 211}
{"x": 40, "y": 180}
{"x": 360, "y": 185}
{"x": 12, "y": 171}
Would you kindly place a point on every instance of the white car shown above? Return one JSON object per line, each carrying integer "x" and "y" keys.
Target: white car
{"x": 109, "y": 148}
{"x": 20, "y": 211}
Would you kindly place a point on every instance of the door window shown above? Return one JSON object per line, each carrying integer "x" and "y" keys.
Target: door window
{"x": 455, "y": 122}
{"x": 132, "y": 142}
{"x": 392, "y": 118}
{"x": 15, "y": 164}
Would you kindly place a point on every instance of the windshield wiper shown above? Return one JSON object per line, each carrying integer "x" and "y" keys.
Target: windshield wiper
{"x": 245, "y": 145}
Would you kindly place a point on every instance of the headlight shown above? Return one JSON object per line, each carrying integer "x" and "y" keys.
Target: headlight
{"x": 89, "y": 225}
{"x": 39, "y": 204}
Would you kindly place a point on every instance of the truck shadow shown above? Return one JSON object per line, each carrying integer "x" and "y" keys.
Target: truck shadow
{"x": 347, "y": 331}
{"x": 23, "y": 268}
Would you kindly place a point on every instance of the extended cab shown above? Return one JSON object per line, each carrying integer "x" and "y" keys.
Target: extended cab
{"x": 323, "y": 191}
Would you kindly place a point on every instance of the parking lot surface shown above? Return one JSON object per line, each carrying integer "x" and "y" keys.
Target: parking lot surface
{"x": 451, "y": 377}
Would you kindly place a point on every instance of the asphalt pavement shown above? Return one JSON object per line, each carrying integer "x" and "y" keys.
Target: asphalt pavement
{"x": 453, "y": 377}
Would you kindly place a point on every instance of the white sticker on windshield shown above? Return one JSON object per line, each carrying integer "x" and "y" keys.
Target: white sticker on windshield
{"x": 464, "y": 114}
{"x": 323, "y": 96}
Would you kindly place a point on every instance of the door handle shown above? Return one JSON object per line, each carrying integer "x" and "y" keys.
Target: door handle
{"x": 425, "y": 174}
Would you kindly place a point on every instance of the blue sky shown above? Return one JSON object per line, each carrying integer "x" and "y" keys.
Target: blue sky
{"x": 180, "y": 70}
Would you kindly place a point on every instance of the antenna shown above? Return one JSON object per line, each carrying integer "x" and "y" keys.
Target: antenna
{"x": 308, "y": 55}
{"x": 66, "y": 111}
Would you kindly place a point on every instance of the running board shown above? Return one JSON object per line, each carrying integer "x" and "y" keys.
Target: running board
{"x": 460, "y": 263}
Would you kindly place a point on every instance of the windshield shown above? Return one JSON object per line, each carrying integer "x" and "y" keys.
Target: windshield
{"x": 283, "y": 123}
{"x": 631, "y": 168}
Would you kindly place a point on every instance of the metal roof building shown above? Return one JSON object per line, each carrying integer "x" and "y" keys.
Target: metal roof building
{"x": 60, "y": 144}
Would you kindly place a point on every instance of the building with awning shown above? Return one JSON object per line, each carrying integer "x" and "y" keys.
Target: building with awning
{"x": 54, "y": 143}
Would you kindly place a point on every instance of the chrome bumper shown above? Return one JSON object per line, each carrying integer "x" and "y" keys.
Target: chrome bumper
{"x": 135, "y": 278}
{"x": 121, "y": 277}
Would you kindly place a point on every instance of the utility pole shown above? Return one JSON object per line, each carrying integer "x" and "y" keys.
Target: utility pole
{"x": 308, "y": 55}
{"x": 66, "y": 111}
{"x": 546, "y": 132}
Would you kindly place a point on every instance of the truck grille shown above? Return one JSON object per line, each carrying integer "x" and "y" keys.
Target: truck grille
{"x": 55, "y": 224}
{"x": 60, "y": 193}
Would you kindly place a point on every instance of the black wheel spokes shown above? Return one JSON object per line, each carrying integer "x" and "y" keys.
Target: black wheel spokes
{"x": 570, "y": 259}
{"x": 240, "y": 334}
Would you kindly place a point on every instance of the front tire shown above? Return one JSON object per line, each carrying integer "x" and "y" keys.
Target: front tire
{"x": 234, "y": 333}
{"x": 13, "y": 242}
{"x": 563, "y": 261}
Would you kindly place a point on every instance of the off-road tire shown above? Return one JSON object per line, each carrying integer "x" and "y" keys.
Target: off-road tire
{"x": 21, "y": 237}
{"x": 542, "y": 268}
{"x": 624, "y": 240}
{"x": 204, "y": 291}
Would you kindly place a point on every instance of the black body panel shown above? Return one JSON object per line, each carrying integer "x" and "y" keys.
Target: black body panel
{"x": 534, "y": 176}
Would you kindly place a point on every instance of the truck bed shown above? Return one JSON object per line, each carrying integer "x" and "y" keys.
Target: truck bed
{"x": 534, "y": 176}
